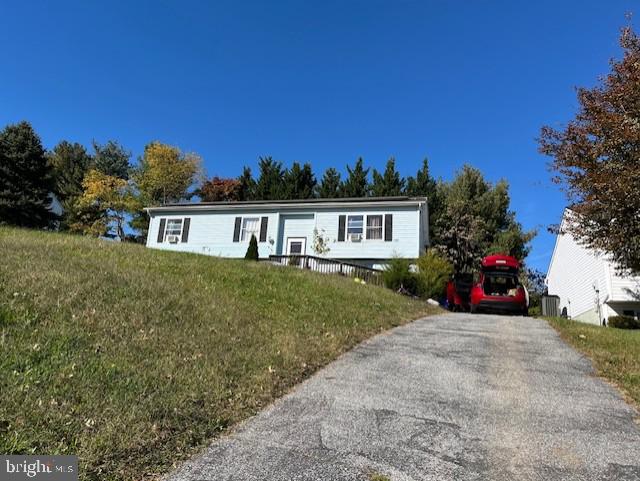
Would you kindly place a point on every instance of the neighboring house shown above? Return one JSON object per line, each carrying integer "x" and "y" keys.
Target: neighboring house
{"x": 367, "y": 231}
{"x": 589, "y": 285}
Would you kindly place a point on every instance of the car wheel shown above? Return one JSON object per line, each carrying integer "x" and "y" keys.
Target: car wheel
{"x": 472, "y": 309}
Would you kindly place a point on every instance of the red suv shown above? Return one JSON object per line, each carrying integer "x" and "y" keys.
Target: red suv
{"x": 498, "y": 288}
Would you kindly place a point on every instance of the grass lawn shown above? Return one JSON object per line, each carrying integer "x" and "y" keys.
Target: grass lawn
{"x": 133, "y": 358}
{"x": 615, "y": 352}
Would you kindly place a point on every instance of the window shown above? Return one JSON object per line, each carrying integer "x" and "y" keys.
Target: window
{"x": 374, "y": 227}
{"x": 250, "y": 226}
{"x": 355, "y": 225}
{"x": 630, "y": 313}
{"x": 174, "y": 228}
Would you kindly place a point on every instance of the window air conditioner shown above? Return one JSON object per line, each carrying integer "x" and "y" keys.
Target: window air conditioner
{"x": 172, "y": 239}
{"x": 355, "y": 237}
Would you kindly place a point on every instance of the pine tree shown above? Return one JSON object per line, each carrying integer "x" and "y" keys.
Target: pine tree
{"x": 112, "y": 159}
{"x": 247, "y": 188}
{"x": 252, "y": 251}
{"x": 330, "y": 185}
{"x": 25, "y": 178}
{"x": 424, "y": 185}
{"x": 70, "y": 163}
{"x": 356, "y": 184}
{"x": 270, "y": 184}
{"x": 300, "y": 183}
{"x": 390, "y": 183}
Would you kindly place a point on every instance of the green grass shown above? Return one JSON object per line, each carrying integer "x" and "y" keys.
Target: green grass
{"x": 615, "y": 352}
{"x": 133, "y": 358}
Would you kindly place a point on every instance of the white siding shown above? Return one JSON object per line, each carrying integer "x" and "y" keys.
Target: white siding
{"x": 405, "y": 240}
{"x": 296, "y": 225}
{"x": 624, "y": 288}
{"x": 573, "y": 272}
{"x": 211, "y": 232}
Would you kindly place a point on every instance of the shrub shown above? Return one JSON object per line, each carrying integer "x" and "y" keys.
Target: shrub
{"x": 398, "y": 276}
{"x": 624, "y": 322}
{"x": 252, "y": 251}
{"x": 433, "y": 273}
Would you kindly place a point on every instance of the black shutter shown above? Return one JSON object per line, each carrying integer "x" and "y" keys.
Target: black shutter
{"x": 236, "y": 230}
{"x": 185, "y": 228}
{"x": 161, "y": 230}
{"x": 342, "y": 220}
{"x": 263, "y": 229}
{"x": 388, "y": 227}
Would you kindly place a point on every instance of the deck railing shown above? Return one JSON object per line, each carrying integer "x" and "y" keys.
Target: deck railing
{"x": 330, "y": 266}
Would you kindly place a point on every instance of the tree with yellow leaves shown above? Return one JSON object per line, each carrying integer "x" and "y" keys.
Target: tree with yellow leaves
{"x": 112, "y": 197}
{"x": 165, "y": 174}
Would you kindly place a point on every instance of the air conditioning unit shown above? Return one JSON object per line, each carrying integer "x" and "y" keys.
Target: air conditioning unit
{"x": 172, "y": 239}
{"x": 355, "y": 237}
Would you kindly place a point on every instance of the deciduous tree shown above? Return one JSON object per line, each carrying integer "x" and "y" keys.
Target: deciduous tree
{"x": 112, "y": 197}
{"x": 220, "y": 190}
{"x": 25, "y": 178}
{"x": 596, "y": 157}
{"x": 165, "y": 174}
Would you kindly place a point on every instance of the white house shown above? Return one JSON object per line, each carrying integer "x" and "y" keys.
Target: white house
{"x": 366, "y": 231}
{"x": 589, "y": 285}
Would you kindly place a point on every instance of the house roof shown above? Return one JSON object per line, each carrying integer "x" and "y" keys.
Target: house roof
{"x": 290, "y": 204}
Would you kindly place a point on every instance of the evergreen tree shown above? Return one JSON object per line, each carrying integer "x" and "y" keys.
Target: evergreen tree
{"x": 252, "y": 251}
{"x": 270, "y": 184}
{"x": 70, "y": 163}
{"x": 330, "y": 185}
{"x": 424, "y": 185}
{"x": 25, "y": 178}
{"x": 476, "y": 221}
{"x": 112, "y": 159}
{"x": 356, "y": 184}
{"x": 300, "y": 183}
{"x": 390, "y": 183}
{"x": 247, "y": 187}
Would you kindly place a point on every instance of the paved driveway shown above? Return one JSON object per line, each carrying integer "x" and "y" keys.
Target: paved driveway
{"x": 452, "y": 397}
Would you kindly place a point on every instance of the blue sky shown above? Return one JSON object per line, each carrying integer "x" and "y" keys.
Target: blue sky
{"x": 320, "y": 82}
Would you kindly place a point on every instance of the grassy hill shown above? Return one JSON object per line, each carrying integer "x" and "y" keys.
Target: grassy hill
{"x": 133, "y": 358}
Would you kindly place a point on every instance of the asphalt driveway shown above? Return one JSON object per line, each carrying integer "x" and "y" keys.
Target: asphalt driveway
{"x": 451, "y": 397}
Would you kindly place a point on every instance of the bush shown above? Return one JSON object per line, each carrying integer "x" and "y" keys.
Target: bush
{"x": 398, "y": 276}
{"x": 433, "y": 273}
{"x": 252, "y": 251}
{"x": 624, "y": 322}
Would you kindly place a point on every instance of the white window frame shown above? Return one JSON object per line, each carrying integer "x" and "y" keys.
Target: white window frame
{"x": 174, "y": 231}
{"x": 348, "y": 235}
{"x": 381, "y": 227}
{"x": 243, "y": 229}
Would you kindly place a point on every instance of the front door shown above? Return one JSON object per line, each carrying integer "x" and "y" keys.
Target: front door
{"x": 296, "y": 246}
